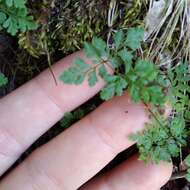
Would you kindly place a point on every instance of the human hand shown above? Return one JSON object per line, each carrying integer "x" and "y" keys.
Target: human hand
{"x": 79, "y": 153}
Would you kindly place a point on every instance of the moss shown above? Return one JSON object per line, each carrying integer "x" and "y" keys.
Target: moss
{"x": 34, "y": 41}
{"x": 77, "y": 22}
{"x": 69, "y": 24}
{"x": 65, "y": 25}
{"x": 134, "y": 13}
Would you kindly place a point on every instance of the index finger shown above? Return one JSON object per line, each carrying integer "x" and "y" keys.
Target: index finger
{"x": 33, "y": 108}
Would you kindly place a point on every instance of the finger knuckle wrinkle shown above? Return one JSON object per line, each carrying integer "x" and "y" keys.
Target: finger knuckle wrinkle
{"x": 40, "y": 178}
{"x": 10, "y": 147}
{"x": 103, "y": 135}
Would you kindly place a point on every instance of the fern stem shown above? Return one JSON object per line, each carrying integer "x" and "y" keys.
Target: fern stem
{"x": 152, "y": 113}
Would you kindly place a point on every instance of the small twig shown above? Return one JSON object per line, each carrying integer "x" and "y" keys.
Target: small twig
{"x": 49, "y": 63}
{"x": 50, "y": 68}
{"x": 92, "y": 69}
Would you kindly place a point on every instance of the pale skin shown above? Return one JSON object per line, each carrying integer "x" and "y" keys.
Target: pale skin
{"x": 71, "y": 159}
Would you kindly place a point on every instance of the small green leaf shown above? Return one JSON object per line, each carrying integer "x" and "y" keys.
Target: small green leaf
{"x": 81, "y": 64}
{"x": 2, "y": 17}
{"x": 103, "y": 72}
{"x": 67, "y": 76}
{"x": 100, "y": 45}
{"x": 145, "y": 95}
{"x": 173, "y": 149}
{"x": 17, "y": 19}
{"x": 134, "y": 38}
{"x": 15, "y": 3}
{"x": 187, "y": 114}
{"x": 67, "y": 120}
{"x": 134, "y": 93}
{"x": 156, "y": 94}
{"x": 11, "y": 26}
{"x": 110, "y": 78}
{"x": 127, "y": 57}
{"x": 73, "y": 75}
{"x": 116, "y": 86}
{"x": 71, "y": 117}
{"x": 118, "y": 38}
{"x": 147, "y": 69}
{"x": 90, "y": 51}
{"x": 79, "y": 79}
{"x": 120, "y": 85}
{"x": 92, "y": 78}
{"x": 177, "y": 126}
{"x": 108, "y": 92}
{"x": 115, "y": 62}
{"x": 132, "y": 76}
{"x": 163, "y": 154}
{"x": 3, "y": 80}
{"x": 9, "y": 3}
{"x": 19, "y": 3}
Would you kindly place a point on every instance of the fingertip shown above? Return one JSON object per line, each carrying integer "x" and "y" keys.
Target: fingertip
{"x": 162, "y": 173}
{"x": 133, "y": 174}
{"x": 118, "y": 118}
{"x": 150, "y": 174}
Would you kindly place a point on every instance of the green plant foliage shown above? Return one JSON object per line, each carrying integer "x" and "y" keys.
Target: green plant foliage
{"x": 115, "y": 87}
{"x": 163, "y": 137}
{"x": 71, "y": 117}
{"x": 134, "y": 38}
{"x": 140, "y": 76}
{"x": 161, "y": 140}
{"x": 15, "y": 3}
{"x": 180, "y": 89}
{"x": 143, "y": 83}
{"x": 3, "y": 80}
{"x": 14, "y": 17}
{"x": 75, "y": 74}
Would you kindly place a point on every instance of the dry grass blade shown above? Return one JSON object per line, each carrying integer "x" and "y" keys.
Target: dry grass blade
{"x": 170, "y": 30}
{"x": 112, "y": 16}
